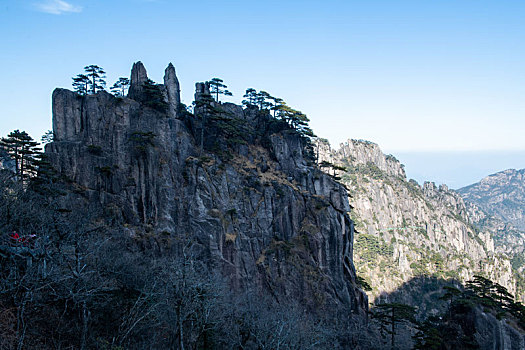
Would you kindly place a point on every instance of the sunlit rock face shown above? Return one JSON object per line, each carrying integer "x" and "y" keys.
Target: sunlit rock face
{"x": 258, "y": 209}
{"x": 407, "y": 230}
{"x": 502, "y": 195}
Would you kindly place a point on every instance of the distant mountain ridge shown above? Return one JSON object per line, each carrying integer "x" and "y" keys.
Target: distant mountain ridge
{"x": 502, "y": 199}
{"x": 501, "y": 195}
{"x": 406, "y": 230}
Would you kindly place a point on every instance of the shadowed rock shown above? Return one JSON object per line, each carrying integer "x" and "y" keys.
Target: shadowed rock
{"x": 172, "y": 88}
{"x": 256, "y": 209}
{"x": 138, "y": 77}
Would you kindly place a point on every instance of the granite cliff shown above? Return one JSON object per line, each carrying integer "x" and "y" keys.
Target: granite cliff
{"x": 237, "y": 183}
{"x": 501, "y": 195}
{"x": 406, "y": 230}
{"x": 412, "y": 241}
{"x": 498, "y": 207}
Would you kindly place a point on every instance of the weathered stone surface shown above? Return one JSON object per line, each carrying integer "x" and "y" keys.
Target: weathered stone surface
{"x": 138, "y": 77}
{"x": 172, "y": 88}
{"x": 502, "y": 195}
{"x": 427, "y": 229}
{"x": 263, "y": 216}
{"x": 200, "y": 90}
{"x": 492, "y": 333}
{"x": 68, "y": 103}
{"x": 363, "y": 152}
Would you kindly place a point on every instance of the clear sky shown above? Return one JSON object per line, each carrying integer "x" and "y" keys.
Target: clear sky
{"x": 412, "y": 76}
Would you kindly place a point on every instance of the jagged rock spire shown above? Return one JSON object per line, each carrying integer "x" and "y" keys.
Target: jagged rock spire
{"x": 138, "y": 77}
{"x": 172, "y": 88}
{"x": 201, "y": 89}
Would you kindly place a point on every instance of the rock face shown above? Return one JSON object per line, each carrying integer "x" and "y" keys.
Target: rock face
{"x": 407, "y": 230}
{"x": 255, "y": 207}
{"x": 138, "y": 77}
{"x": 492, "y": 333}
{"x": 501, "y": 195}
{"x": 499, "y": 207}
{"x": 364, "y": 152}
{"x": 172, "y": 88}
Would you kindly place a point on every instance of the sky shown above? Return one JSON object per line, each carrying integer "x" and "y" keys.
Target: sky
{"x": 420, "y": 78}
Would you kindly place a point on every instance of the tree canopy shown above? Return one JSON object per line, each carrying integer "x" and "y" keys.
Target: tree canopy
{"x": 391, "y": 315}
{"x": 24, "y": 150}
{"x": 120, "y": 87}
{"x": 218, "y": 88}
{"x": 93, "y": 80}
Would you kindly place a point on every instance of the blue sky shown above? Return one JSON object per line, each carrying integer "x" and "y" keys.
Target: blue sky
{"x": 412, "y": 76}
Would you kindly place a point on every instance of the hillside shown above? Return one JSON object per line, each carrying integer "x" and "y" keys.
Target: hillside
{"x": 164, "y": 228}
{"x": 405, "y": 230}
{"x": 148, "y": 224}
{"x": 501, "y": 195}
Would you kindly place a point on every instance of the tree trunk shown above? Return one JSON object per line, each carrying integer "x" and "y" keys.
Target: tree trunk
{"x": 85, "y": 319}
{"x": 393, "y": 329}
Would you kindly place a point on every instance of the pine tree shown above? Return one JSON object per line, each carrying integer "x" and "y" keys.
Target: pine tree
{"x": 218, "y": 88}
{"x": 205, "y": 109}
{"x": 47, "y": 137}
{"x": 97, "y": 78}
{"x": 261, "y": 100}
{"x": 120, "y": 87}
{"x": 391, "y": 315}
{"x": 81, "y": 84}
{"x": 24, "y": 150}
{"x": 250, "y": 97}
{"x": 277, "y": 103}
{"x": 153, "y": 97}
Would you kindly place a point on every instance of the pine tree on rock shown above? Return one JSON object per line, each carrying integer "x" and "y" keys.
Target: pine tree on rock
{"x": 97, "y": 78}
{"x": 390, "y": 315}
{"x": 205, "y": 109}
{"x": 120, "y": 87}
{"x": 48, "y": 137}
{"x": 81, "y": 84}
{"x": 277, "y": 103}
{"x": 250, "y": 97}
{"x": 24, "y": 150}
{"x": 218, "y": 88}
{"x": 153, "y": 96}
{"x": 261, "y": 100}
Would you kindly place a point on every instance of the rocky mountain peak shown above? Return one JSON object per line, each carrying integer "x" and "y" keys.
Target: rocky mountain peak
{"x": 364, "y": 152}
{"x": 242, "y": 188}
{"x": 201, "y": 89}
{"x": 138, "y": 77}
{"x": 502, "y": 195}
{"x": 172, "y": 88}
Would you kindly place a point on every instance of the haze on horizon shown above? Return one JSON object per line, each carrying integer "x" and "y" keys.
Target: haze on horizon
{"x": 415, "y": 77}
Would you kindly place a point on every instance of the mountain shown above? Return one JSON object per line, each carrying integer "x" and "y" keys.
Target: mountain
{"x": 161, "y": 226}
{"x": 413, "y": 242}
{"x": 501, "y": 198}
{"x": 153, "y": 225}
{"x": 406, "y": 230}
{"x": 501, "y": 195}
{"x": 238, "y": 183}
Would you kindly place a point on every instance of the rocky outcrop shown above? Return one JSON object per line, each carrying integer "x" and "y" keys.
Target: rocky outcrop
{"x": 250, "y": 202}
{"x": 138, "y": 77}
{"x": 498, "y": 206}
{"x": 364, "y": 152}
{"x": 407, "y": 230}
{"x": 501, "y": 195}
{"x": 172, "y": 89}
{"x": 494, "y": 333}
